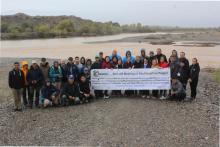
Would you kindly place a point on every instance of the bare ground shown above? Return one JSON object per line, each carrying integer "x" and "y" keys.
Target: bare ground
{"x": 116, "y": 121}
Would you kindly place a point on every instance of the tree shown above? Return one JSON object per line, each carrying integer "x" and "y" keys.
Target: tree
{"x": 43, "y": 30}
{"x": 64, "y": 27}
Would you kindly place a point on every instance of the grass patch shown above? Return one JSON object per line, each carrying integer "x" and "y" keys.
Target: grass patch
{"x": 216, "y": 75}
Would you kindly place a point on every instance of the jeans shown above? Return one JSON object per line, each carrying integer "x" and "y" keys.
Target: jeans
{"x": 34, "y": 90}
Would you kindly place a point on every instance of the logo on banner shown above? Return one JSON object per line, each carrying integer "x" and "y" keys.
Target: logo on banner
{"x": 95, "y": 73}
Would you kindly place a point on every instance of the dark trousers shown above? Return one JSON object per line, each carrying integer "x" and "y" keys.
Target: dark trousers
{"x": 145, "y": 92}
{"x": 178, "y": 96}
{"x": 36, "y": 90}
{"x": 26, "y": 94}
{"x": 155, "y": 93}
{"x": 163, "y": 93}
{"x": 98, "y": 93}
{"x": 84, "y": 98}
{"x": 129, "y": 92}
{"x": 193, "y": 87}
{"x": 116, "y": 92}
{"x": 106, "y": 92}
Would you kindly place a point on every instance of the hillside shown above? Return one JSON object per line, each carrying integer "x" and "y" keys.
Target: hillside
{"x": 22, "y": 26}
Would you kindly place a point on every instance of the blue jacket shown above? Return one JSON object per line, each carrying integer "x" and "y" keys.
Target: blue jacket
{"x": 124, "y": 60}
{"x": 71, "y": 69}
{"x": 55, "y": 75}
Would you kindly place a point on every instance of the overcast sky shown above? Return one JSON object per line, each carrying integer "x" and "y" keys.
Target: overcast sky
{"x": 172, "y": 13}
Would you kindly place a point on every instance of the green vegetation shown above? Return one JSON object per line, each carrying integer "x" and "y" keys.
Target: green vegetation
{"x": 216, "y": 75}
{"x": 22, "y": 26}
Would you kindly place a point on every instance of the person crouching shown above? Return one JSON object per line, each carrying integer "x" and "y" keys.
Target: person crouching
{"x": 85, "y": 89}
{"x": 70, "y": 93}
{"x": 49, "y": 95}
{"x": 177, "y": 90}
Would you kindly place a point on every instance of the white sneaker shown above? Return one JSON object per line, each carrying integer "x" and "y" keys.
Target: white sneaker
{"x": 143, "y": 96}
{"x": 162, "y": 98}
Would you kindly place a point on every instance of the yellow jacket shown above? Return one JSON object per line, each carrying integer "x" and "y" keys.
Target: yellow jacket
{"x": 25, "y": 70}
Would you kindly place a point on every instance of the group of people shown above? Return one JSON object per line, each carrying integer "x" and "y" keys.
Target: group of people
{"x": 63, "y": 84}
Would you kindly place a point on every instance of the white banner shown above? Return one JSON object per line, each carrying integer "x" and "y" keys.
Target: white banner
{"x": 130, "y": 79}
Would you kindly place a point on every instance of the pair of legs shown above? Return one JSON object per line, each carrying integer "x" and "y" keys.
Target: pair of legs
{"x": 163, "y": 93}
{"x": 17, "y": 93}
{"x": 26, "y": 94}
{"x": 53, "y": 100}
{"x": 155, "y": 93}
{"x": 129, "y": 92}
{"x": 145, "y": 92}
{"x": 98, "y": 93}
{"x": 193, "y": 87}
{"x": 66, "y": 101}
{"x": 34, "y": 90}
{"x": 116, "y": 92}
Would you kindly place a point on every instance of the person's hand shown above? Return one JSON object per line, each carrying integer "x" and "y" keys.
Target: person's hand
{"x": 190, "y": 80}
{"x": 71, "y": 97}
{"x": 53, "y": 97}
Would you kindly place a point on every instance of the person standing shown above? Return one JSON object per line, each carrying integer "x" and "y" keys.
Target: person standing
{"x": 56, "y": 75}
{"x": 159, "y": 55}
{"x": 163, "y": 64}
{"x": 155, "y": 65}
{"x": 128, "y": 65}
{"x": 16, "y": 82}
{"x": 35, "y": 79}
{"x": 79, "y": 65}
{"x": 145, "y": 65}
{"x": 194, "y": 77}
{"x": 106, "y": 65}
{"x": 45, "y": 67}
{"x": 97, "y": 65}
{"x": 71, "y": 69}
{"x": 26, "y": 91}
{"x": 137, "y": 64}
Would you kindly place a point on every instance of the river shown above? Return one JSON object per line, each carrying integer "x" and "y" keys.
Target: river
{"x": 62, "y": 48}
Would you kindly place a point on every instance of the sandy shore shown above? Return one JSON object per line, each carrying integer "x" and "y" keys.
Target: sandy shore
{"x": 65, "y": 47}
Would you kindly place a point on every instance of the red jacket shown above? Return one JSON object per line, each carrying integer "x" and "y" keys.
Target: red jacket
{"x": 164, "y": 64}
{"x": 107, "y": 65}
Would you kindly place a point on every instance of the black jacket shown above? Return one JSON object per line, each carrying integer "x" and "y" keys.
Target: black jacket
{"x": 174, "y": 68}
{"x": 194, "y": 71}
{"x": 159, "y": 56}
{"x": 70, "y": 90}
{"x": 137, "y": 65}
{"x": 96, "y": 65}
{"x": 183, "y": 74}
{"x": 47, "y": 91}
{"x": 35, "y": 74}
{"x": 16, "y": 79}
{"x": 84, "y": 87}
{"x": 185, "y": 61}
